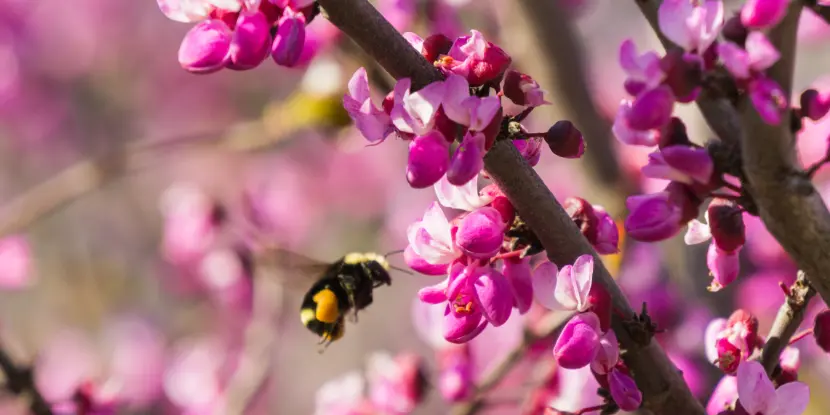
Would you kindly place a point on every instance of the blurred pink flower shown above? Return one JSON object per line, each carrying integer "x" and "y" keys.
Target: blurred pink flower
{"x": 680, "y": 163}
{"x": 763, "y": 14}
{"x": 15, "y": 263}
{"x": 191, "y": 378}
{"x": 757, "y": 55}
{"x": 396, "y": 383}
{"x": 189, "y": 222}
{"x": 691, "y": 25}
{"x": 724, "y": 395}
{"x": 342, "y": 396}
{"x": 758, "y": 396}
{"x": 627, "y": 134}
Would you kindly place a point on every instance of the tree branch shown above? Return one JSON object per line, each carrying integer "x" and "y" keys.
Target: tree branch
{"x": 789, "y": 205}
{"x": 789, "y": 317}
{"x": 822, "y": 11}
{"x": 20, "y": 382}
{"x": 664, "y": 390}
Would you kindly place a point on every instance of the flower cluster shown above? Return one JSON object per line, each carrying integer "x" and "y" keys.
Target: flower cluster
{"x": 726, "y": 229}
{"x": 458, "y": 111}
{"x": 240, "y": 34}
{"x": 732, "y": 341}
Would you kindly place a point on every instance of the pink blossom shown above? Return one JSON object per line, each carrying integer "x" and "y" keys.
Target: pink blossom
{"x": 467, "y": 161}
{"x": 465, "y": 197}
{"x": 567, "y": 288}
{"x": 757, "y": 55}
{"x": 691, "y": 25}
{"x": 187, "y": 11}
{"x": 396, "y": 384}
{"x": 768, "y": 99}
{"x": 288, "y": 44}
{"x": 427, "y": 161}
{"x": 579, "y": 342}
{"x": 608, "y": 235}
{"x": 815, "y": 105}
{"x": 370, "y": 119}
{"x": 758, "y": 396}
{"x": 431, "y": 238}
{"x": 15, "y": 263}
{"x": 653, "y": 217}
{"x": 341, "y": 396}
{"x": 226, "y": 273}
{"x": 624, "y": 132}
{"x": 644, "y": 72}
{"x": 455, "y": 373}
{"x": 518, "y": 273}
{"x": 681, "y": 164}
{"x": 726, "y": 223}
{"x": 191, "y": 381}
{"x": 189, "y": 223}
{"x": 651, "y": 109}
{"x": 723, "y": 265}
{"x": 530, "y": 149}
{"x": 476, "y": 113}
{"x": 724, "y": 395}
{"x": 624, "y": 390}
{"x": 251, "y": 40}
{"x": 523, "y": 90}
{"x": 609, "y": 354}
{"x": 698, "y": 232}
{"x": 731, "y": 341}
{"x": 474, "y": 58}
{"x": 762, "y": 14}
{"x": 481, "y": 233}
{"x": 206, "y": 47}
{"x": 415, "y": 112}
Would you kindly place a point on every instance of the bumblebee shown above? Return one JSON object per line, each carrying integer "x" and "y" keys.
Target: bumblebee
{"x": 345, "y": 286}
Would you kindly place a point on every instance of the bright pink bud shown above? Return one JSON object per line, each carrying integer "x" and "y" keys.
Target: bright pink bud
{"x": 522, "y": 89}
{"x": 428, "y": 160}
{"x": 761, "y": 14}
{"x": 624, "y": 391}
{"x": 565, "y": 140}
{"x": 726, "y": 222}
{"x": 476, "y": 59}
{"x": 494, "y": 295}
{"x": 583, "y": 215}
{"x": 815, "y": 105}
{"x": 288, "y": 44}
{"x": 608, "y": 236}
{"x": 723, "y": 266}
{"x": 455, "y": 377}
{"x": 729, "y": 355}
{"x": 768, "y": 99}
{"x": 206, "y": 47}
{"x": 251, "y": 41}
{"x": 468, "y": 159}
{"x": 517, "y": 271}
{"x": 821, "y": 330}
{"x": 681, "y": 164}
{"x": 653, "y": 217}
{"x": 481, "y": 233}
{"x": 652, "y": 109}
{"x": 579, "y": 342}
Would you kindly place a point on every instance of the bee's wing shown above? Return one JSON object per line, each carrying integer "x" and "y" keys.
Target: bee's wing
{"x": 295, "y": 270}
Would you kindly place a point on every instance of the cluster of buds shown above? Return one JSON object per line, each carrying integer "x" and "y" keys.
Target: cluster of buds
{"x": 240, "y": 34}
{"x": 731, "y": 341}
{"x": 457, "y": 110}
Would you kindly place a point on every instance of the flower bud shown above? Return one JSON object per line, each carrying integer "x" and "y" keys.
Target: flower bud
{"x": 729, "y": 355}
{"x": 530, "y": 149}
{"x": 288, "y": 44}
{"x": 565, "y": 140}
{"x": 814, "y": 105}
{"x": 724, "y": 267}
{"x": 684, "y": 74}
{"x": 251, "y": 41}
{"x": 578, "y": 344}
{"x": 608, "y": 236}
{"x": 746, "y": 324}
{"x": 653, "y": 217}
{"x": 583, "y": 215}
{"x": 821, "y": 330}
{"x": 624, "y": 391}
{"x": 517, "y": 271}
{"x": 205, "y": 48}
{"x": 522, "y": 89}
{"x": 467, "y": 161}
{"x": 435, "y": 46}
{"x": 761, "y": 14}
{"x": 652, "y": 109}
{"x": 455, "y": 376}
{"x": 428, "y": 160}
{"x": 481, "y": 233}
{"x": 726, "y": 222}
{"x": 735, "y": 31}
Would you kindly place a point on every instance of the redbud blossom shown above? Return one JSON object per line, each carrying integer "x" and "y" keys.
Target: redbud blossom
{"x": 624, "y": 132}
{"x": 821, "y": 330}
{"x": 724, "y": 395}
{"x": 651, "y": 109}
{"x": 288, "y": 44}
{"x": 481, "y": 233}
{"x": 644, "y": 71}
{"x": 608, "y": 235}
{"x": 369, "y": 119}
{"x": 768, "y": 99}
{"x": 418, "y": 264}
{"x": 729, "y": 342}
{"x": 15, "y": 263}
{"x": 464, "y": 197}
{"x": 579, "y": 342}
{"x": 684, "y": 74}
{"x": 681, "y": 164}
{"x": 624, "y": 390}
{"x": 762, "y": 14}
{"x": 431, "y": 238}
{"x": 415, "y": 112}
{"x": 396, "y": 385}
{"x": 436, "y": 45}
{"x": 583, "y": 215}
{"x": 565, "y": 140}
{"x": 757, "y": 55}
{"x": 692, "y": 25}
{"x": 518, "y": 273}
{"x": 653, "y": 217}
{"x": 476, "y": 113}
{"x": 565, "y": 289}
{"x": 530, "y": 149}
{"x": 467, "y": 161}
{"x": 251, "y": 40}
{"x": 185, "y": 11}
{"x": 609, "y": 354}
{"x": 815, "y": 105}
{"x": 206, "y": 47}
{"x": 758, "y": 396}
{"x": 427, "y": 161}
{"x": 455, "y": 372}
{"x": 726, "y": 224}
{"x": 342, "y": 396}
{"x": 522, "y": 89}
{"x": 723, "y": 265}
{"x": 474, "y": 58}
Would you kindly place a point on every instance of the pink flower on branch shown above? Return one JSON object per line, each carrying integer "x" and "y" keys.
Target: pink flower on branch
{"x": 692, "y": 25}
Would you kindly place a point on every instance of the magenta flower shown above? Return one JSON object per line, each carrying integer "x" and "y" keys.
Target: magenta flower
{"x": 395, "y": 383}
{"x": 518, "y": 273}
{"x": 467, "y": 161}
{"x": 758, "y": 396}
{"x": 523, "y": 90}
{"x": 369, "y": 119}
{"x": 624, "y": 390}
{"x": 251, "y": 40}
{"x": 815, "y": 105}
{"x": 186, "y": 11}
{"x": 481, "y": 233}
{"x": 530, "y": 149}
{"x": 757, "y": 55}
{"x": 474, "y": 58}
{"x": 427, "y": 161}
{"x": 455, "y": 373}
{"x": 608, "y": 355}
{"x": 651, "y": 109}
{"x": 692, "y": 25}
{"x": 206, "y": 47}
{"x": 415, "y": 112}
{"x": 644, "y": 72}
{"x": 768, "y": 99}
{"x": 681, "y": 164}
{"x": 653, "y": 217}
{"x": 342, "y": 396}
{"x": 565, "y": 140}
{"x": 579, "y": 342}
{"x": 15, "y": 263}
{"x": 608, "y": 236}
{"x": 762, "y": 14}
{"x": 723, "y": 265}
{"x": 431, "y": 238}
{"x": 288, "y": 44}
{"x": 624, "y": 132}
{"x": 473, "y": 112}
{"x": 565, "y": 289}
{"x": 465, "y": 197}
{"x": 731, "y": 341}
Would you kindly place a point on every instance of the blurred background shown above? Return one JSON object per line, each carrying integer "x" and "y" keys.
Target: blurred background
{"x": 104, "y": 137}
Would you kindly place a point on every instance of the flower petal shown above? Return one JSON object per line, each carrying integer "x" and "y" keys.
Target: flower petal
{"x": 494, "y": 295}
{"x": 544, "y": 285}
{"x": 698, "y": 232}
{"x": 792, "y": 398}
{"x": 755, "y": 389}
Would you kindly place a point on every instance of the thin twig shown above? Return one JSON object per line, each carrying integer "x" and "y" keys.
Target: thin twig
{"x": 789, "y": 317}
{"x": 20, "y": 382}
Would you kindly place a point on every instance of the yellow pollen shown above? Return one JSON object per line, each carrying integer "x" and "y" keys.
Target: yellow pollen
{"x": 444, "y": 60}
{"x": 463, "y": 307}
{"x": 327, "y": 310}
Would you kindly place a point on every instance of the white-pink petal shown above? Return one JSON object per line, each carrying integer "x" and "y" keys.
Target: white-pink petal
{"x": 359, "y": 85}
{"x": 464, "y": 197}
{"x": 755, "y": 389}
{"x": 185, "y": 11}
{"x": 544, "y": 285}
{"x": 698, "y": 232}
{"x": 762, "y": 53}
{"x": 792, "y": 399}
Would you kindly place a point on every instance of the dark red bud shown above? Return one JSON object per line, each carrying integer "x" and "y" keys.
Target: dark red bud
{"x": 583, "y": 216}
{"x": 814, "y": 105}
{"x": 735, "y": 31}
{"x": 821, "y": 330}
{"x": 565, "y": 140}
{"x": 674, "y": 134}
{"x": 435, "y": 46}
{"x": 786, "y": 376}
{"x": 492, "y": 130}
{"x": 685, "y": 197}
{"x": 512, "y": 86}
{"x": 684, "y": 73}
{"x": 388, "y": 103}
{"x": 727, "y": 224}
